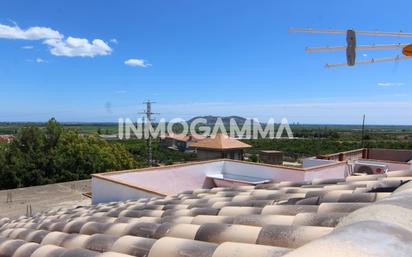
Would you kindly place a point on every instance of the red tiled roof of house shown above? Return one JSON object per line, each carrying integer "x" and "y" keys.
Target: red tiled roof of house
{"x": 220, "y": 142}
{"x": 185, "y": 138}
{"x": 6, "y": 138}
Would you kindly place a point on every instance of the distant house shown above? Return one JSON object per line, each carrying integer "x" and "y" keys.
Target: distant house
{"x": 180, "y": 142}
{"x": 219, "y": 146}
{"x": 109, "y": 137}
{"x": 6, "y": 138}
{"x": 271, "y": 157}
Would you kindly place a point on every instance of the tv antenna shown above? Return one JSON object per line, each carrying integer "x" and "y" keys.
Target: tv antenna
{"x": 351, "y": 46}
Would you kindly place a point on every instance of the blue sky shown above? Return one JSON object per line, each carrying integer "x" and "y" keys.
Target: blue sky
{"x": 196, "y": 58}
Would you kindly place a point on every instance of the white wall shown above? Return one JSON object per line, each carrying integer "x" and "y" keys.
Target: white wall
{"x": 340, "y": 170}
{"x": 277, "y": 173}
{"x": 170, "y": 179}
{"x": 262, "y": 171}
{"x": 311, "y": 162}
{"x": 179, "y": 178}
{"x": 104, "y": 191}
{"x": 393, "y": 166}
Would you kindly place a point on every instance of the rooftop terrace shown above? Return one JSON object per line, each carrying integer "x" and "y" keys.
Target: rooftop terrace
{"x": 168, "y": 180}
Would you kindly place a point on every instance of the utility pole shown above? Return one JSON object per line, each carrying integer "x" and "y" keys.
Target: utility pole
{"x": 363, "y": 132}
{"x": 148, "y": 112}
{"x": 318, "y": 142}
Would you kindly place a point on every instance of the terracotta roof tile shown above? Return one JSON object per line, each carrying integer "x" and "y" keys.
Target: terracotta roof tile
{"x": 318, "y": 218}
{"x": 203, "y": 219}
{"x": 220, "y": 233}
{"x": 135, "y": 246}
{"x": 177, "y": 219}
{"x": 262, "y": 220}
{"x": 236, "y": 211}
{"x": 288, "y": 209}
{"x": 290, "y": 236}
{"x": 49, "y": 251}
{"x": 177, "y": 247}
{"x": 8, "y": 247}
{"x": 26, "y": 250}
{"x": 367, "y": 238}
{"x": 220, "y": 142}
{"x": 330, "y": 219}
{"x": 187, "y": 231}
{"x": 230, "y": 249}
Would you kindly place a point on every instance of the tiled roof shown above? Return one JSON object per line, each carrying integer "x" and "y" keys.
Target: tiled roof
{"x": 357, "y": 216}
{"x": 220, "y": 142}
{"x": 185, "y": 138}
{"x": 6, "y": 138}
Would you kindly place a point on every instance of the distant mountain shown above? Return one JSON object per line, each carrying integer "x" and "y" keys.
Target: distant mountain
{"x": 211, "y": 120}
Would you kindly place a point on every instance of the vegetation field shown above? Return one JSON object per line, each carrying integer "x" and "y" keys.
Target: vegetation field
{"x": 83, "y": 128}
{"x": 44, "y": 153}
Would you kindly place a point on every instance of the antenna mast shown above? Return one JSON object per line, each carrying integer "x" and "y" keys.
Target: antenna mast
{"x": 148, "y": 112}
{"x": 363, "y": 132}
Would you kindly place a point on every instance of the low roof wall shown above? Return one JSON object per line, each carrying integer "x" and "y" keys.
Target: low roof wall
{"x": 174, "y": 179}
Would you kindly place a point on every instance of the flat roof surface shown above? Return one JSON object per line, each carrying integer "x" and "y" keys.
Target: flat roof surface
{"x": 42, "y": 197}
{"x": 239, "y": 178}
{"x": 172, "y": 179}
{"x": 163, "y": 181}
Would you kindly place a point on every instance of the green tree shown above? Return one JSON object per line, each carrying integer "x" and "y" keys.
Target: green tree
{"x": 253, "y": 158}
{"x": 8, "y": 178}
{"x": 54, "y": 154}
{"x": 26, "y": 156}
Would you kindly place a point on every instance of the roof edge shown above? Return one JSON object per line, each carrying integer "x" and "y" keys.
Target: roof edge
{"x": 118, "y": 181}
{"x": 157, "y": 168}
{"x": 105, "y": 174}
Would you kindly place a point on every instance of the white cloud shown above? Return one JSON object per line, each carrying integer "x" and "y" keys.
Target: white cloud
{"x": 78, "y": 47}
{"x": 33, "y": 33}
{"x": 59, "y": 45}
{"x": 390, "y": 84}
{"x": 114, "y": 41}
{"x": 137, "y": 63}
{"x": 27, "y": 47}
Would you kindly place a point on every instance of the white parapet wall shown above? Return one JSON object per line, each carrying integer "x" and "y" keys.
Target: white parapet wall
{"x": 150, "y": 182}
{"x": 174, "y": 179}
{"x": 393, "y": 166}
{"x": 104, "y": 191}
{"x": 334, "y": 170}
{"x": 312, "y": 162}
{"x": 275, "y": 173}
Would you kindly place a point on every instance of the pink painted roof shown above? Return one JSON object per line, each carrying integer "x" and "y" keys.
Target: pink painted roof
{"x": 185, "y": 138}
